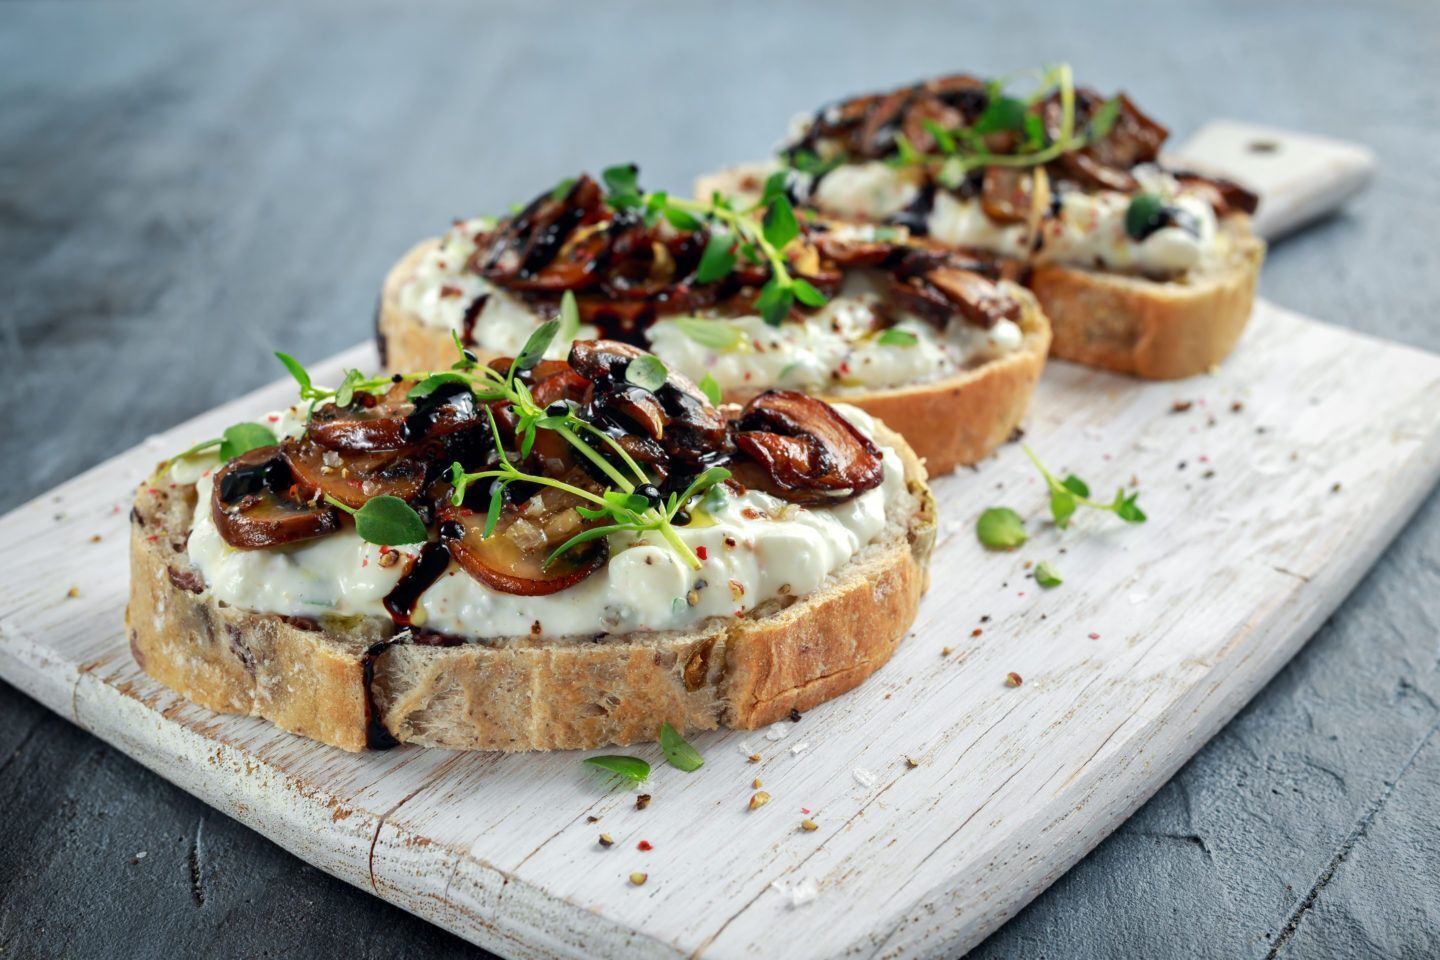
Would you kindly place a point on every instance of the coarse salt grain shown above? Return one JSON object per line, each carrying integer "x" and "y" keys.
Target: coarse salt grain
{"x": 864, "y": 777}
{"x": 800, "y": 748}
{"x": 777, "y": 731}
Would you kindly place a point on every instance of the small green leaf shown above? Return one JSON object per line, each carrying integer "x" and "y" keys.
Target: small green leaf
{"x": 1002, "y": 113}
{"x": 569, "y": 318}
{"x": 678, "y": 752}
{"x": 432, "y": 383}
{"x": 647, "y": 372}
{"x": 1062, "y": 507}
{"x": 534, "y": 350}
{"x": 895, "y": 337}
{"x": 944, "y": 139}
{"x": 779, "y": 224}
{"x": 774, "y": 187}
{"x": 389, "y": 522}
{"x": 300, "y": 374}
{"x": 682, "y": 220}
{"x": 1034, "y": 131}
{"x": 242, "y": 438}
{"x": 715, "y": 334}
{"x": 492, "y": 514}
{"x": 1127, "y": 509}
{"x": 717, "y": 260}
{"x": 1075, "y": 485}
{"x": 775, "y": 301}
{"x": 1103, "y": 120}
{"x": 621, "y": 183}
{"x": 952, "y": 173}
{"x": 806, "y": 293}
{"x": 346, "y": 392}
{"x": 711, "y": 389}
{"x": 703, "y": 483}
{"x": 1000, "y": 528}
{"x": 1142, "y": 215}
{"x": 562, "y": 189}
{"x": 905, "y": 152}
{"x": 632, "y": 769}
{"x": 1046, "y": 575}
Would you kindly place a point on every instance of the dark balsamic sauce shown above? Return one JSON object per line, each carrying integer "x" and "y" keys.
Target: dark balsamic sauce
{"x": 376, "y": 736}
{"x": 472, "y": 314}
{"x": 400, "y": 602}
{"x": 916, "y": 217}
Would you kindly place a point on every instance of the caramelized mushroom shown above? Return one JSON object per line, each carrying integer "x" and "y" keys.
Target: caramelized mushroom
{"x": 807, "y": 450}
{"x": 941, "y": 292}
{"x": 253, "y": 504}
{"x": 392, "y": 422}
{"x": 528, "y": 242}
{"x": 512, "y": 558}
{"x": 352, "y": 479}
{"x": 1009, "y": 195}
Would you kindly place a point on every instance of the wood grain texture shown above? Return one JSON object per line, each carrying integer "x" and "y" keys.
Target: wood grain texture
{"x": 1159, "y": 635}
{"x": 185, "y": 188}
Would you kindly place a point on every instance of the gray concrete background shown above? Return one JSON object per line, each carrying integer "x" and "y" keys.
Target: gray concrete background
{"x": 184, "y": 189}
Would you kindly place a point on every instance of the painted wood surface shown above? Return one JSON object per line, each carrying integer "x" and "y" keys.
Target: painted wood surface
{"x": 945, "y": 799}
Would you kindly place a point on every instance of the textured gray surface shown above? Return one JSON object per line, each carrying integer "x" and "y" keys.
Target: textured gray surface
{"x": 183, "y": 190}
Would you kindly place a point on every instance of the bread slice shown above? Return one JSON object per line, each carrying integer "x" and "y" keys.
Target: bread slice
{"x": 520, "y": 693}
{"x": 1157, "y": 329}
{"x": 1160, "y": 330}
{"x": 949, "y": 423}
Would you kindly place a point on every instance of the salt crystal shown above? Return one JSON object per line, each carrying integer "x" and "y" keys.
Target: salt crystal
{"x": 800, "y": 748}
{"x": 804, "y": 892}
{"x": 777, "y": 732}
{"x": 864, "y": 777}
{"x": 745, "y": 747}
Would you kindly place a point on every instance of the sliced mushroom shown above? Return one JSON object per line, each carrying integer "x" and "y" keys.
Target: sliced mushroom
{"x": 1225, "y": 196}
{"x": 808, "y": 452}
{"x": 253, "y": 503}
{"x": 528, "y": 242}
{"x": 597, "y": 359}
{"x": 512, "y": 558}
{"x": 370, "y": 423}
{"x": 938, "y": 294}
{"x": 352, "y": 479}
{"x": 1008, "y": 194}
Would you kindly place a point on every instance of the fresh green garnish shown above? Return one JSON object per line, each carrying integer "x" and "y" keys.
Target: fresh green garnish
{"x": 760, "y": 237}
{"x": 633, "y": 769}
{"x": 711, "y": 389}
{"x": 1142, "y": 214}
{"x": 1046, "y": 575}
{"x": 569, "y": 318}
{"x": 715, "y": 334}
{"x": 385, "y": 520}
{"x": 1072, "y": 492}
{"x": 678, "y": 752}
{"x": 895, "y": 337}
{"x": 1000, "y": 528}
{"x": 242, "y": 438}
{"x": 647, "y": 372}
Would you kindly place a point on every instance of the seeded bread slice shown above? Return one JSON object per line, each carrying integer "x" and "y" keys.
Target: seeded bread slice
{"x": 1157, "y": 329}
{"x": 520, "y": 693}
{"x": 949, "y": 423}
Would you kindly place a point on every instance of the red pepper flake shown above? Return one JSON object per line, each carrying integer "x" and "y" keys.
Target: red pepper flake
{"x": 153, "y": 537}
{"x": 273, "y": 418}
{"x": 1094, "y": 636}
{"x": 976, "y": 632}
{"x": 449, "y": 291}
{"x": 1013, "y": 679}
{"x": 644, "y": 845}
{"x": 152, "y": 491}
{"x": 747, "y": 374}
{"x": 702, "y": 553}
{"x": 805, "y": 810}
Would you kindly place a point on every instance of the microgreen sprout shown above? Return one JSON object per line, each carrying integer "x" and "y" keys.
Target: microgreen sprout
{"x": 759, "y": 233}
{"x": 1070, "y": 493}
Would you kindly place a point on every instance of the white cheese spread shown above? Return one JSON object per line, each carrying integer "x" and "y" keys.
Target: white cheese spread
{"x": 756, "y": 548}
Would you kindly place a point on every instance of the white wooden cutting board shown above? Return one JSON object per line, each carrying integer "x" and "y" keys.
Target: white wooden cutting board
{"x": 1268, "y": 498}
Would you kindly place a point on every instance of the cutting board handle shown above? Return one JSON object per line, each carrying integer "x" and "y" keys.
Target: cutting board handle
{"x": 1299, "y": 177}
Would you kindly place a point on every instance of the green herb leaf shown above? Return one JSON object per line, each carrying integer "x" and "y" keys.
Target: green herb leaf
{"x": 944, "y": 139}
{"x": 621, "y": 183}
{"x": 1126, "y": 508}
{"x": 678, "y": 752}
{"x": 779, "y": 224}
{"x": 1000, "y": 528}
{"x": 1046, "y": 575}
{"x": 646, "y": 372}
{"x": 492, "y": 514}
{"x": 1076, "y": 486}
{"x": 389, "y": 522}
{"x": 300, "y": 374}
{"x": 775, "y": 301}
{"x": 1002, "y": 113}
{"x": 534, "y": 350}
{"x": 562, "y": 189}
{"x": 569, "y": 318}
{"x": 702, "y": 484}
{"x": 1102, "y": 121}
{"x": 346, "y": 393}
{"x": 806, "y": 293}
{"x": 715, "y": 334}
{"x": 895, "y": 337}
{"x": 1062, "y": 506}
{"x": 717, "y": 260}
{"x": 682, "y": 220}
{"x": 774, "y": 187}
{"x": 711, "y": 389}
{"x": 432, "y": 383}
{"x": 632, "y": 769}
{"x": 1142, "y": 214}
{"x": 242, "y": 438}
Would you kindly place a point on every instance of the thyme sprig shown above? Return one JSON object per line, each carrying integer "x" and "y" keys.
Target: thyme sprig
{"x": 1072, "y": 492}
{"x": 761, "y": 233}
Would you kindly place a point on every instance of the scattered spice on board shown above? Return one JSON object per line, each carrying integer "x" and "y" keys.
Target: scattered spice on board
{"x": 606, "y": 840}
{"x": 754, "y": 758}
{"x": 809, "y": 826}
{"x": 911, "y": 763}
{"x": 756, "y": 784}
{"x": 73, "y": 592}
{"x": 976, "y": 632}
{"x": 639, "y": 878}
{"x": 644, "y": 845}
{"x": 759, "y": 800}
{"x": 642, "y": 801}
{"x": 592, "y": 819}
{"x": 794, "y": 715}
{"x": 1180, "y": 406}
{"x": 1094, "y": 636}
{"x": 1013, "y": 679}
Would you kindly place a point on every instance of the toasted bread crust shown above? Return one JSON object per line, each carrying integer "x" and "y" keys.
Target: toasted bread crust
{"x": 949, "y": 423}
{"x": 1160, "y": 330}
{"x": 519, "y": 693}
